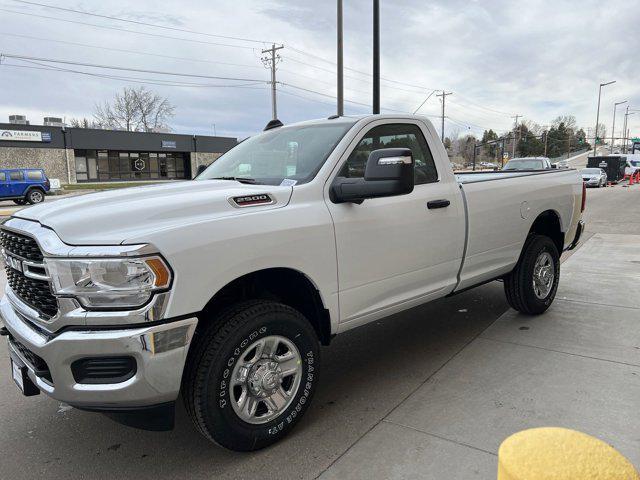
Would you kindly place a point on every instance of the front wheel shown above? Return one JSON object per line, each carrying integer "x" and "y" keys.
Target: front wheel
{"x": 250, "y": 374}
{"x": 532, "y": 285}
{"x": 35, "y": 196}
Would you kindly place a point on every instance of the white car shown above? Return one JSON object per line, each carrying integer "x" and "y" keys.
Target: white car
{"x": 488, "y": 165}
{"x": 528, "y": 163}
{"x": 594, "y": 177}
{"x": 223, "y": 288}
{"x": 633, "y": 163}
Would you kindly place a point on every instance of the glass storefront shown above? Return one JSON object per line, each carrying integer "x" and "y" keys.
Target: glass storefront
{"x": 108, "y": 165}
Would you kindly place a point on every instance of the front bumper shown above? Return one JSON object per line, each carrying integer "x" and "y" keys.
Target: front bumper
{"x": 156, "y": 380}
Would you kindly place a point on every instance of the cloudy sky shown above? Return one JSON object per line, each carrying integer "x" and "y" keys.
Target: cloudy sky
{"x": 539, "y": 59}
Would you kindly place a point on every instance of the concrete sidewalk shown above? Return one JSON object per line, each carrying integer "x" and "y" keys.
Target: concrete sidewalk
{"x": 577, "y": 366}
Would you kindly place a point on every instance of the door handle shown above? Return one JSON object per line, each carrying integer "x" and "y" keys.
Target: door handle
{"x": 438, "y": 204}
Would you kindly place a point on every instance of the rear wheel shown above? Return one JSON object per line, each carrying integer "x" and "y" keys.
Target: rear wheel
{"x": 532, "y": 285}
{"x": 35, "y": 196}
{"x": 250, "y": 375}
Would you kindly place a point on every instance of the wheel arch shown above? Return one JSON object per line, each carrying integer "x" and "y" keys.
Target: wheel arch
{"x": 548, "y": 223}
{"x": 283, "y": 284}
{"x": 33, "y": 187}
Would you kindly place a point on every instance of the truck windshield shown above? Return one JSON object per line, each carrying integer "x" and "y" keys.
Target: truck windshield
{"x": 294, "y": 153}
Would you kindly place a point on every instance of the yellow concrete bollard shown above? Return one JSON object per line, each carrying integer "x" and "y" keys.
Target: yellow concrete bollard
{"x": 560, "y": 454}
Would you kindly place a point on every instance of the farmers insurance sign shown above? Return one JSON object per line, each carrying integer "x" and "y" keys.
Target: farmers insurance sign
{"x": 24, "y": 136}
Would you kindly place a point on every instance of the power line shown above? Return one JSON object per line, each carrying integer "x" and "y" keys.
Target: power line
{"x": 171, "y": 57}
{"x": 128, "y": 31}
{"x": 146, "y": 24}
{"x": 297, "y": 87}
{"x": 184, "y": 30}
{"x": 122, "y": 50}
{"x": 141, "y": 80}
{"x": 483, "y": 107}
{"x": 196, "y": 32}
{"x": 128, "y": 69}
{"x": 425, "y": 101}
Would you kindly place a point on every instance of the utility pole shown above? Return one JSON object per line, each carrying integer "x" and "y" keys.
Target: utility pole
{"x": 595, "y": 140}
{"x": 624, "y": 131}
{"x": 515, "y": 125}
{"x": 443, "y": 95}
{"x": 613, "y": 127}
{"x": 340, "y": 110}
{"x": 376, "y": 56}
{"x": 546, "y": 141}
{"x": 270, "y": 60}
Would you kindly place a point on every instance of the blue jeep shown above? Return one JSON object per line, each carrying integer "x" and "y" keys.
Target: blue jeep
{"x": 23, "y": 185}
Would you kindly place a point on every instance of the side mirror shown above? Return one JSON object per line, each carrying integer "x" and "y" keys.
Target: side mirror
{"x": 389, "y": 172}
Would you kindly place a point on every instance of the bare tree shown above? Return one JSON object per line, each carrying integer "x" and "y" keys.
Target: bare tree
{"x": 83, "y": 122}
{"x": 135, "y": 110}
{"x": 154, "y": 110}
{"x": 568, "y": 120}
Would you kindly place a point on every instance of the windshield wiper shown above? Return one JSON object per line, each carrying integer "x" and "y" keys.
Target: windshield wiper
{"x": 237, "y": 179}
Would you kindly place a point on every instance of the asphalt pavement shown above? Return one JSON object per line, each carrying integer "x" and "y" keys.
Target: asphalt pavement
{"x": 429, "y": 393}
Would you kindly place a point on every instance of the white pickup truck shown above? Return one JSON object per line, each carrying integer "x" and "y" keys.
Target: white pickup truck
{"x": 222, "y": 288}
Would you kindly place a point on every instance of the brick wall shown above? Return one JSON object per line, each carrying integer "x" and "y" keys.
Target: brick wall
{"x": 202, "y": 158}
{"x": 51, "y": 160}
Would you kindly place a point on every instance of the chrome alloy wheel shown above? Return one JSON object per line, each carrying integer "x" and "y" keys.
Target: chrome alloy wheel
{"x": 36, "y": 196}
{"x": 543, "y": 275}
{"x": 265, "y": 379}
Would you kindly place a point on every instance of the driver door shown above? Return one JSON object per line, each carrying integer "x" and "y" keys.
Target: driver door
{"x": 396, "y": 252}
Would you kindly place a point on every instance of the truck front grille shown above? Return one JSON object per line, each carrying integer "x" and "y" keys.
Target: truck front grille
{"x": 35, "y": 293}
{"x": 20, "y": 245}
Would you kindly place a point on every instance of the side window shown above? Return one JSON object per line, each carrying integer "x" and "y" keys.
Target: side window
{"x": 34, "y": 175}
{"x": 3, "y": 176}
{"x": 398, "y": 135}
{"x": 16, "y": 176}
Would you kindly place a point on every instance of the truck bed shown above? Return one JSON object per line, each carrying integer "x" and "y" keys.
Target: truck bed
{"x": 499, "y": 214}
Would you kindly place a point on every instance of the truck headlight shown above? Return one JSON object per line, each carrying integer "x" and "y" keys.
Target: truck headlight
{"x": 109, "y": 282}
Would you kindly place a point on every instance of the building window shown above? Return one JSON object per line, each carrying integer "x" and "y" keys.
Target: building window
{"x": 108, "y": 165}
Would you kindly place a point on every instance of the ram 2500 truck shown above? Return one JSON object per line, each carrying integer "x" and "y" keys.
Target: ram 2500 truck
{"x": 223, "y": 288}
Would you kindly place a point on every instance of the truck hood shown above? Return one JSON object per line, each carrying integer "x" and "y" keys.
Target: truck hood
{"x": 111, "y": 217}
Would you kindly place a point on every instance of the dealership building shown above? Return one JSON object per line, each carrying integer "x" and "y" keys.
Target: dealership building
{"x": 77, "y": 155}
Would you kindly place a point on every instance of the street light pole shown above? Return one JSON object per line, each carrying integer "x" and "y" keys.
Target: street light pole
{"x": 340, "y": 111}
{"x": 626, "y": 131}
{"x": 595, "y": 139}
{"x": 613, "y": 127}
{"x": 376, "y": 56}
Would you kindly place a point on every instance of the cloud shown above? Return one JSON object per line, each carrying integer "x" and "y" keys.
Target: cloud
{"x": 539, "y": 59}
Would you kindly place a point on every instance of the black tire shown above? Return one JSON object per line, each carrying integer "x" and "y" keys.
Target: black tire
{"x": 34, "y": 196}
{"x": 22, "y": 201}
{"x": 518, "y": 285}
{"x": 206, "y": 380}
